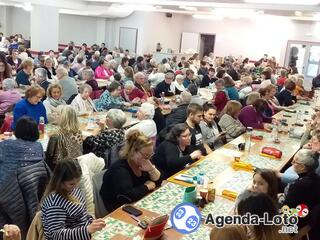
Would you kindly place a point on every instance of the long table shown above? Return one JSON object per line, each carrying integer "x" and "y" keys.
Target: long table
{"x": 217, "y": 167}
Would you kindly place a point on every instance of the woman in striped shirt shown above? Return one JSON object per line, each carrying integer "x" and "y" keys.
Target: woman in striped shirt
{"x": 63, "y": 209}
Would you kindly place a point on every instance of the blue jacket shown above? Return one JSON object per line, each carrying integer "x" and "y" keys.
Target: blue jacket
{"x": 22, "y": 78}
{"x": 16, "y": 153}
{"x": 25, "y": 108}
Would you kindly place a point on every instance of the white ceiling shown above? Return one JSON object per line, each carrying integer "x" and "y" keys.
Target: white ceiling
{"x": 294, "y": 9}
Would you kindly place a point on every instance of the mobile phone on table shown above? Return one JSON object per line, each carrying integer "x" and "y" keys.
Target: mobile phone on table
{"x": 132, "y": 210}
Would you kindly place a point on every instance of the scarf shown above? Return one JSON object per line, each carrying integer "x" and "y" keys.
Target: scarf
{"x": 82, "y": 104}
{"x": 55, "y": 102}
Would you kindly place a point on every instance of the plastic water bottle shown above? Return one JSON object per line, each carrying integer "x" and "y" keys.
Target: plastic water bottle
{"x": 248, "y": 140}
{"x": 41, "y": 125}
{"x": 200, "y": 178}
{"x": 274, "y": 133}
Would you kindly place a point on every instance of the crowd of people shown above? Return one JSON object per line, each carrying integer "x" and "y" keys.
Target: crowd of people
{"x": 141, "y": 156}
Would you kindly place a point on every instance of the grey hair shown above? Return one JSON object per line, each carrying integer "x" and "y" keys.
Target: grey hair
{"x": 307, "y": 158}
{"x": 139, "y": 74}
{"x": 117, "y": 117}
{"x": 42, "y": 73}
{"x": 89, "y": 72}
{"x": 84, "y": 87}
{"x": 63, "y": 71}
{"x": 8, "y": 84}
{"x": 180, "y": 77}
{"x": 185, "y": 97}
{"x": 128, "y": 84}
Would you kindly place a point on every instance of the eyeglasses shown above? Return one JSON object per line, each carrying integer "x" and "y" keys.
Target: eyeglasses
{"x": 145, "y": 156}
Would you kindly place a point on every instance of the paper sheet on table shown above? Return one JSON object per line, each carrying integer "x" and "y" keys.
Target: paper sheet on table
{"x": 228, "y": 152}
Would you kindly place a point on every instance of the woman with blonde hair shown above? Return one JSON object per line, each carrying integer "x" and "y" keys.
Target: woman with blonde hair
{"x": 229, "y": 121}
{"x": 245, "y": 88}
{"x": 63, "y": 208}
{"x": 67, "y": 142}
{"x": 132, "y": 176}
{"x": 53, "y": 101}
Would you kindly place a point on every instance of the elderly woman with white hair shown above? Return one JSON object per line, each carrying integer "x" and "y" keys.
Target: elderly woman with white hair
{"x": 146, "y": 125}
{"x": 53, "y": 102}
{"x": 112, "y": 133}
{"x": 130, "y": 93}
{"x": 306, "y": 189}
{"x": 8, "y": 97}
{"x": 177, "y": 85}
{"x": 82, "y": 103}
{"x": 41, "y": 78}
{"x": 140, "y": 82}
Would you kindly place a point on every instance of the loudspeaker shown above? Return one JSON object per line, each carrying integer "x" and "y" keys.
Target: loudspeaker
{"x": 169, "y": 15}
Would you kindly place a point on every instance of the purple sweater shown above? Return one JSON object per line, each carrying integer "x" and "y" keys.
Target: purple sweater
{"x": 7, "y": 99}
{"x": 250, "y": 118}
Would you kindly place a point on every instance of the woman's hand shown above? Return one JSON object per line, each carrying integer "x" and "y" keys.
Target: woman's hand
{"x": 196, "y": 155}
{"x": 11, "y": 232}
{"x": 146, "y": 166}
{"x": 150, "y": 185}
{"x": 96, "y": 225}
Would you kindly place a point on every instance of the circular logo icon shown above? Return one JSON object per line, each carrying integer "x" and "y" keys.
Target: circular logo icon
{"x": 185, "y": 218}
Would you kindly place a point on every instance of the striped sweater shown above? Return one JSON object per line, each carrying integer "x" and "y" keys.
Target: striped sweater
{"x": 233, "y": 127}
{"x": 63, "y": 219}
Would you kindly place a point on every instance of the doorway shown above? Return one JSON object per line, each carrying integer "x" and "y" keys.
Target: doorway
{"x": 207, "y": 42}
{"x": 305, "y": 56}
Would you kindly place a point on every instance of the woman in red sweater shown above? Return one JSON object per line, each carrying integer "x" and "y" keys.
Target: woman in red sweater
{"x": 221, "y": 98}
{"x": 131, "y": 93}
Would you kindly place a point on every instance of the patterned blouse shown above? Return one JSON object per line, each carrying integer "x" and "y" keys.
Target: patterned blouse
{"x": 106, "y": 101}
{"x": 100, "y": 143}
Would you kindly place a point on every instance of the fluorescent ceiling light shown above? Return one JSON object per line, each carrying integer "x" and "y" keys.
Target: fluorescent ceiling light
{"x": 188, "y": 8}
{"x": 298, "y": 13}
{"x": 316, "y": 16}
{"x": 285, "y": 2}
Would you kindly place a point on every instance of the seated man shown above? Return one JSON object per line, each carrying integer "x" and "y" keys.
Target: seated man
{"x": 165, "y": 86}
{"x": 194, "y": 117}
{"x": 179, "y": 114}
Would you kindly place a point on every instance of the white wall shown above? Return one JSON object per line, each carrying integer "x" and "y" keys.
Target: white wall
{"x": 80, "y": 29}
{"x": 18, "y": 21}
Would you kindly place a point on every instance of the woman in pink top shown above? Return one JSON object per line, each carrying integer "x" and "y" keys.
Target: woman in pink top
{"x": 103, "y": 71}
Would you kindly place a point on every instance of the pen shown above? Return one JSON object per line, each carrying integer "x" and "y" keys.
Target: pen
{"x": 135, "y": 218}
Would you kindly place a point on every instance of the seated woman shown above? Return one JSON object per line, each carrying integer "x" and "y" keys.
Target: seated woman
{"x": 5, "y": 69}
{"x": 177, "y": 85}
{"x": 132, "y": 176}
{"x": 88, "y": 76}
{"x": 306, "y": 189}
{"x": 63, "y": 208}
{"x": 265, "y": 181}
{"x": 103, "y": 70}
{"x": 22, "y": 151}
{"x": 8, "y": 97}
{"x": 209, "y": 127}
{"x": 285, "y": 97}
{"x": 268, "y": 94}
{"x": 265, "y": 78}
{"x": 53, "y": 101}
{"x": 230, "y": 88}
{"x": 48, "y": 66}
{"x": 67, "y": 142}
{"x": 41, "y": 78}
{"x": 173, "y": 154}
{"x": 30, "y": 106}
{"x": 221, "y": 97}
{"x": 109, "y": 136}
{"x": 82, "y": 103}
{"x": 131, "y": 93}
{"x": 14, "y": 61}
{"x": 229, "y": 121}
{"x": 254, "y": 115}
{"x": 23, "y": 77}
{"x": 299, "y": 92}
{"x": 245, "y": 88}
{"x": 157, "y": 75}
{"x": 111, "y": 98}
{"x": 128, "y": 74}
{"x": 255, "y": 203}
